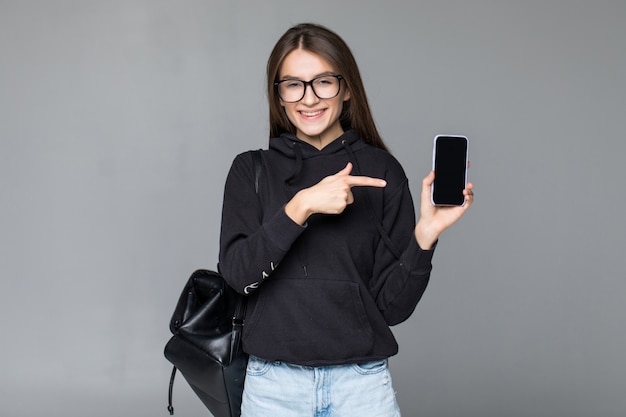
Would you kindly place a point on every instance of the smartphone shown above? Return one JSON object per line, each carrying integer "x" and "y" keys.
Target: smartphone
{"x": 450, "y": 156}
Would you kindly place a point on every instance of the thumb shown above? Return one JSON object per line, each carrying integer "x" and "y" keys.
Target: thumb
{"x": 347, "y": 170}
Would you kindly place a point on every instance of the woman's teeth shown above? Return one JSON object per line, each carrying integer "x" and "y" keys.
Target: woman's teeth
{"x": 311, "y": 113}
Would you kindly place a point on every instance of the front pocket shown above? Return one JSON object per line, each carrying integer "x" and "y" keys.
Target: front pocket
{"x": 257, "y": 367}
{"x": 305, "y": 321}
{"x": 371, "y": 368}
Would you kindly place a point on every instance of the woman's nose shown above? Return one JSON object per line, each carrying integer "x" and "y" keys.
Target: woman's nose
{"x": 309, "y": 95}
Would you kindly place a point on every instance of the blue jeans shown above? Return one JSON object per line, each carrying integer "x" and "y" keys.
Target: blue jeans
{"x": 277, "y": 389}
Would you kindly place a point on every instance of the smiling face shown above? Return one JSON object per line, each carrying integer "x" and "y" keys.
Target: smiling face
{"x": 316, "y": 120}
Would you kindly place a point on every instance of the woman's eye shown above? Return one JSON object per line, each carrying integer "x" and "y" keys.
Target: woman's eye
{"x": 325, "y": 81}
{"x": 293, "y": 84}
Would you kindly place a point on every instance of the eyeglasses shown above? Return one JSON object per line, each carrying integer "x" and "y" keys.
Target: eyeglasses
{"x": 324, "y": 87}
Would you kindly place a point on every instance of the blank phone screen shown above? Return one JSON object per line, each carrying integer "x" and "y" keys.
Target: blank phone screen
{"x": 450, "y": 164}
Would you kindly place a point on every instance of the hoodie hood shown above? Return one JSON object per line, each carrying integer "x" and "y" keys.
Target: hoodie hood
{"x": 288, "y": 142}
{"x": 293, "y": 148}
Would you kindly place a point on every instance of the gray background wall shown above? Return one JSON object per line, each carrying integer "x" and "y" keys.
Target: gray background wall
{"x": 119, "y": 121}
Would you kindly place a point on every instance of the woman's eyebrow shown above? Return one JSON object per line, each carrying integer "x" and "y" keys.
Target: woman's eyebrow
{"x": 321, "y": 74}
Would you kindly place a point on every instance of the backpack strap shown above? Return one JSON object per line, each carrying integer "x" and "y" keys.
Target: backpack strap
{"x": 170, "y": 407}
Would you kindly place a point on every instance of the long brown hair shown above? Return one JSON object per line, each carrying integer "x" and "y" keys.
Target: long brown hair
{"x": 356, "y": 114}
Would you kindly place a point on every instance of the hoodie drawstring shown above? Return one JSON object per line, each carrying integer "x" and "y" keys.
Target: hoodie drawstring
{"x": 298, "y": 166}
{"x": 381, "y": 230}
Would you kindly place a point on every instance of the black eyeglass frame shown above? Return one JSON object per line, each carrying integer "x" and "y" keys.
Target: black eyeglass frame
{"x": 339, "y": 77}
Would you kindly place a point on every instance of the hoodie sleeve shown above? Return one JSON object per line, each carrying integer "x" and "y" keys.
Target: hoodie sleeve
{"x": 250, "y": 249}
{"x": 398, "y": 284}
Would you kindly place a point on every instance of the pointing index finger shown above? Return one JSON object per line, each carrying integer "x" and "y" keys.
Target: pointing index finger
{"x": 362, "y": 181}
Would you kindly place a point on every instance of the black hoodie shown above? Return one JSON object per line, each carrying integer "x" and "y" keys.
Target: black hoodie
{"x": 327, "y": 292}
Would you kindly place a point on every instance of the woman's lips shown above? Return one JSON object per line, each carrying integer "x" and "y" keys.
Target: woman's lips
{"x": 311, "y": 114}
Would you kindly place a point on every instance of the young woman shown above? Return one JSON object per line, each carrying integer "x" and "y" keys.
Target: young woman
{"x": 323, "y": 282}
